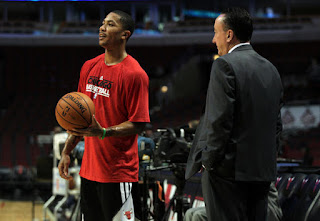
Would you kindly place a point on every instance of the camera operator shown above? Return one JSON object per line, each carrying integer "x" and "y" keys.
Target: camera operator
{"x": 146, "y": 143}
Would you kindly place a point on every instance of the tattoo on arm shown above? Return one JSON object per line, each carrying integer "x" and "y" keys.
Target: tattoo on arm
{"x": 71, "y": 143}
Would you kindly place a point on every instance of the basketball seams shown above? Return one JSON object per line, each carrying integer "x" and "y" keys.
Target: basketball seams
{"x": 76, "y": 110}
{"x": 84, "y": 101}
{"x": 61, "y": 117}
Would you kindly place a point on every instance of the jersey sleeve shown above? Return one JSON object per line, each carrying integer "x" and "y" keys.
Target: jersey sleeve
{"x": 137, "y": 100}
{"x": 83, "y": 76}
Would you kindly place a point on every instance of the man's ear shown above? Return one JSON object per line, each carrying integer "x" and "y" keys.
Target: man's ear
{"x": 230, "y": 35}
{"x": 126, "y": 34}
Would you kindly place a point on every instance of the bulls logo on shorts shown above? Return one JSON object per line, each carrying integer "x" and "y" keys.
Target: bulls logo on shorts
{"x": 128, "y": 214}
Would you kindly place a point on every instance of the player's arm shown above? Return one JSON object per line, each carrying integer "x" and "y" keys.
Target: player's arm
{"x": 64, "y": 163}
{"x": 126, "y": 128}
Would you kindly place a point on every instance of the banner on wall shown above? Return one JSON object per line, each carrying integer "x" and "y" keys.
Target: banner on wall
{"x": 300, "y": 117}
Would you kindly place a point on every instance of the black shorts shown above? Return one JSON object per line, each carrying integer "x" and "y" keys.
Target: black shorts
{"x": 109, "y": 201}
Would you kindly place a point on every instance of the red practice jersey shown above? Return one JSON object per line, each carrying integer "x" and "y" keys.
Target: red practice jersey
{"x": 120, "y": 93}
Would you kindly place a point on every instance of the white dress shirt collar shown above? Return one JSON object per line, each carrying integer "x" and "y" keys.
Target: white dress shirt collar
{"x": 238, "y": 45}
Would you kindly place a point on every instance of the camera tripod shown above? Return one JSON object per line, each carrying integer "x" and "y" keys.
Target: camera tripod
{"x": 147, "y": 182}
{"x": 177, "y": 202}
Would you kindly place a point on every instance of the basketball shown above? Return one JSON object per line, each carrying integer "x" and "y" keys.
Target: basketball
{"x": 74, "y": 111}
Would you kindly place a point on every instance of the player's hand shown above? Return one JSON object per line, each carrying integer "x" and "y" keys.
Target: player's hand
{"x": 93, "y": 130}
{"x": 64, "y": 166}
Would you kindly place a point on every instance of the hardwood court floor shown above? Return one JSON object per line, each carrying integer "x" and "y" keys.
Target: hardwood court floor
{"x": 19, "y": 211}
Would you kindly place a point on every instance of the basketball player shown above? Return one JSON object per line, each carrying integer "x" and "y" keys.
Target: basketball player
{"x": 118, "y": 87}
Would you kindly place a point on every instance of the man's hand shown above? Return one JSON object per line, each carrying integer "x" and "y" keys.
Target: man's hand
{"x": 93, "y": 130}
{"x": 64, "y": 166}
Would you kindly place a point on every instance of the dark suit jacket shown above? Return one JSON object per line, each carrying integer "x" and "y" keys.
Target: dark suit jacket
{"x": 237, "y": 136}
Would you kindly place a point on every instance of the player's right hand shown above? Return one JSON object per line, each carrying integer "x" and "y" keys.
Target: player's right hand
{"x": 64, "y": 166}
{"x": 94, "y": 130}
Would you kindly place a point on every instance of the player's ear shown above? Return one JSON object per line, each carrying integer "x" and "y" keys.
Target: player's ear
{"x": 126, "y": 34}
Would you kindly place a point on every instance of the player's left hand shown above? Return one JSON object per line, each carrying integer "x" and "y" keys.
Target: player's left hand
{"x": 94, "y": 130}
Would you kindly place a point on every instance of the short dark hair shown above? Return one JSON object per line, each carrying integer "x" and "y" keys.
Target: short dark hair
{"x": 240, "y": 22}
{"x": 126, "y": 21}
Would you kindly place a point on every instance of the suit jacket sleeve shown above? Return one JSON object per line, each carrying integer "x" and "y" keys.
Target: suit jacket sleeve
{"x": 279, "y": 125}
{"x": 219, "y": 113}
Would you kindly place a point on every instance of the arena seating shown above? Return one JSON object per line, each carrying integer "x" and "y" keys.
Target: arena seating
{"x": 298, "y": 189}
{"x": 299, "y": 194}
{"x": 88, "y": 27}
{"x": 23, "y": 27}
{"x": 205, "y": 25}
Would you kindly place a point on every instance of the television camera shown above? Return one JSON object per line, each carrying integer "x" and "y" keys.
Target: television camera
{"x": 171, "y": 152}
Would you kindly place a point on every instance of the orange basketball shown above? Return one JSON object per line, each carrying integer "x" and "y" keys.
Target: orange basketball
{"x": 74, "y": 110}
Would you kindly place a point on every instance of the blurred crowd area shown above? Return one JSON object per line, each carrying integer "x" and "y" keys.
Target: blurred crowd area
{"x": 151, "y": 16}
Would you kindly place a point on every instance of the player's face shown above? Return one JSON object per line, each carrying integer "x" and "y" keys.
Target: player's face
{"x": 220, "y": 36}
{"x": 111, "y": 31}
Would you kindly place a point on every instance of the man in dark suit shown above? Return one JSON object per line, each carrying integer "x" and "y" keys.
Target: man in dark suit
{"x": 236, "y": 141}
